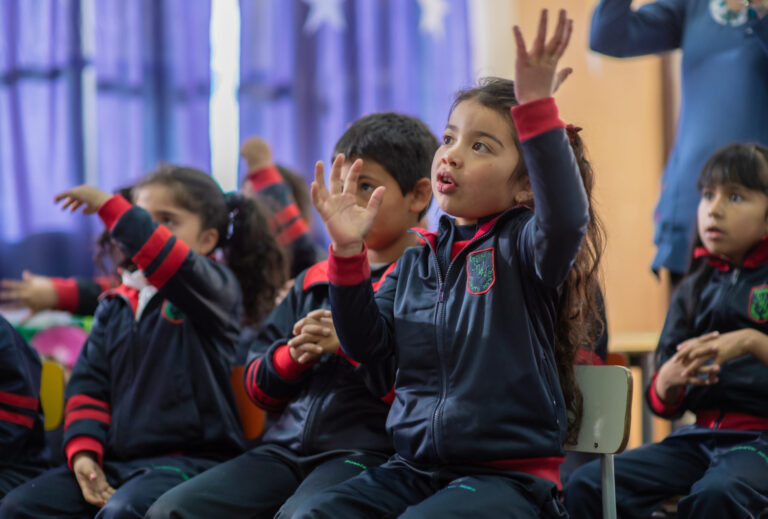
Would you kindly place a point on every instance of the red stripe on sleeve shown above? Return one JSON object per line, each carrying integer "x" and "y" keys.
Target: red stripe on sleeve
{"x": 348, "y": 270}
{"x": 111, "y": 210}
{"x": 170, "y": 264}
{"x": 67, "y": 294}
{"x": 84, "y": 443}
{"x": 285, "y": 366}
{"x": 536, "y": 117}
{"x": 25, "y": 402}
{"x": 20, "y": 419}
{"x": 152, "y": 247}
{"x": 259, "y": 397}
{"x": 287, "y": 214}
{"x": 263, "y": 178}
{"x": 293, "y": 231}
{"x": 657, "y": 404}
{"x": 86, "y": 414}
{"x": 78, "y": 400}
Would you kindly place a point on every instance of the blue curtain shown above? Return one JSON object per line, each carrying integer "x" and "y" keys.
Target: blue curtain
{"x": 301, "y": 87}
{"x": 149, "y": 103}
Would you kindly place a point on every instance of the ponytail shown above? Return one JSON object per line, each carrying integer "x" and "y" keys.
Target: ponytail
{"x": 250, "y": 249}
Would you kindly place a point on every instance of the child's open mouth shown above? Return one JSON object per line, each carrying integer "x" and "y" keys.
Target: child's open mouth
{"x": 445, "y": 183}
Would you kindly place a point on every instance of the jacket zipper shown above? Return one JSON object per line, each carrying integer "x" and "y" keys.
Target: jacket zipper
{"x": 439, "y": 318}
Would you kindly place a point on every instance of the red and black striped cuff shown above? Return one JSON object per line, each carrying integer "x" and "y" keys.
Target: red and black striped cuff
{"x": 348, "y": 270}
{"x": 84, "y": 443}
{"x": 111, "y": 211}
{"x": 536, "y": 117}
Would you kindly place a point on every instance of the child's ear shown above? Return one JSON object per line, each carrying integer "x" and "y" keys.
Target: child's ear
{"x": 208, "y": 240}
{"x": 524, "y": 192}
{"x": 421, "y": 195}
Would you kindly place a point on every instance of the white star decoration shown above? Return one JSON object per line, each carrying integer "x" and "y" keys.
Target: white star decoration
{"x": 324, "y": 12}
{"x": 432, "y": 14}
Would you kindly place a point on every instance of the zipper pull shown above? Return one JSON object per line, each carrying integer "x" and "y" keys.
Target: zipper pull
{"x": 734, "y": 276}
{"x": 440, "y": 294}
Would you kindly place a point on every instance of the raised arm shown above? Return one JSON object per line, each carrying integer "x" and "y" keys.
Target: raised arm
{"x": 620, "y": 31}
{"x": 551, "y": 240}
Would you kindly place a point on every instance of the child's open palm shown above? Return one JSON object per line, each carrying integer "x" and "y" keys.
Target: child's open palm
{"x": 93, "y": 483}
{"x": 347, "y": 222}
{"x": 88, "y": 196}
{"x": 536, "y": 74}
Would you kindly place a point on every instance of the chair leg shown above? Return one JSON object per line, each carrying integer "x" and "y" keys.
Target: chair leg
{"x": 608, "y": 483}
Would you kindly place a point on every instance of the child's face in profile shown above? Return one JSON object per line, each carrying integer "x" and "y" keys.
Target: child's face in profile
{"x": 159, "y": 201}
{"x": 473, "y": 168}
{"x": 731, "y": 220}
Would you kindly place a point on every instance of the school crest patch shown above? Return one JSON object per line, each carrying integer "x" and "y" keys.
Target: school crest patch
{"x": 480, "y": 271}
{"x": 758, "y": 304}
{"x": 729, "y": 12}
{"x": 172, "y": 313}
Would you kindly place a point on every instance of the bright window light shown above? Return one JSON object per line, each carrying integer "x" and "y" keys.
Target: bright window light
{"x": 225, "y": 81}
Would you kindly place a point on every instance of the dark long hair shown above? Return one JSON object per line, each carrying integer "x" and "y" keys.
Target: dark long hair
{"x": 742, "y": 164}
{"x": 247, "y": 244}
{"x": 579, "y": 320}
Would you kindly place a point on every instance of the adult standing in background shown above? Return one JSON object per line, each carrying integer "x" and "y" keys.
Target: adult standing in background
{"x": 724, "y": 92}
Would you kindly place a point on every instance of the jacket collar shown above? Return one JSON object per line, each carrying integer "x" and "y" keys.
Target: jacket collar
{"x": 757, "y": 257}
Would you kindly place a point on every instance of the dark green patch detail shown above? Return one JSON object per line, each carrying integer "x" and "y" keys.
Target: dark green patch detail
{"x": 758, "y": 304}
{"x": 356, "y": 464}
{"x": 480, "y": 271}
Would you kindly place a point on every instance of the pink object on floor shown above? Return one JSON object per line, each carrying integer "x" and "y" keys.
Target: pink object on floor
{"x": 63, "y": 343}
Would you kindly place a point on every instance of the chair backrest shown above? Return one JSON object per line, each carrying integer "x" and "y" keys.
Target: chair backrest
{"x": 252, "y": 418}
{"x": 52, "y": 394}
{"x": 607, "y": 392}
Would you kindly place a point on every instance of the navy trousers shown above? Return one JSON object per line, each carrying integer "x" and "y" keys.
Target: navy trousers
{"x": 264, "y": 481}
{"x": 12, "y": 477}
{"x": 721, "y": 473}
{"x": 398, "y": 489}
{"x": 55, "y": 493}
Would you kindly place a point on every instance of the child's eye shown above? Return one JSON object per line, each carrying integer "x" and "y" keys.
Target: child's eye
{"x": 366, "y": 187}
{"x": 735, "y": 197}
{"x": 168, "y": 222}
{"x": 447, "y": 139}
{"x": 479, "y": 146}
{"x": 707, "y": 195}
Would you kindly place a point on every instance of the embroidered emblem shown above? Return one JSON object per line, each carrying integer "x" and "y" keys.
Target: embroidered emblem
{"x": 758, "y": 304}
{"x": 729, "y": 12}
{"x": 171, "y": 313}
{"x": 480, "y": 272}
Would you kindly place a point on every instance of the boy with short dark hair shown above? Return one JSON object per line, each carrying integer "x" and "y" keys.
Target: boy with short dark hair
{"x": 332, "y": 411}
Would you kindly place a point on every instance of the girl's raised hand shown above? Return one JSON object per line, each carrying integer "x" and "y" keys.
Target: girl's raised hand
{"x": 536, "y": 74}
{"x": 346, "y": 221}
{"x": 87, "y": 196}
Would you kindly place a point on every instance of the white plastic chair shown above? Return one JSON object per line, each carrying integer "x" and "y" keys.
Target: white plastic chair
{"x": 607, "y": 392}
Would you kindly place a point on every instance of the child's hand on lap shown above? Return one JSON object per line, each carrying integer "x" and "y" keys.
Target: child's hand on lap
{"x": 93, "y": 483}
{"x": 315, "y": 335}
{"x": 347, "y": 222}
{"x": 536, "y": 74}
{"x": 84, "y": 195}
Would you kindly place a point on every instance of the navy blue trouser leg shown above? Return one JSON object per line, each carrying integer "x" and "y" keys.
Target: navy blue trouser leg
{"x": 138, "y": 483}
{"x": 735, "y": 485}
{"x": 397, "y": 490}
{"x": 258, "y": 483}
{"x": 12, "y": 477}
{"x": 645, "y": 477}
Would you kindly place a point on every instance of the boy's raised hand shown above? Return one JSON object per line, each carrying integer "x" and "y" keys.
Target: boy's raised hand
{"x": 536, "y": 74}
{"x": 346, "y": 221}
{"x": 32, "y": 291}
{"x": 88, "y": 196}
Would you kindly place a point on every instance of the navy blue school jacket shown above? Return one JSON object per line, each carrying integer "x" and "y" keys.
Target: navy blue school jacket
{"x": 157, "y": 384}
{"x": 733, "y": 298}
{"x": 472, "y": 330}
{"x": 22, "y": 440}
{"x": 332, "y": 404}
